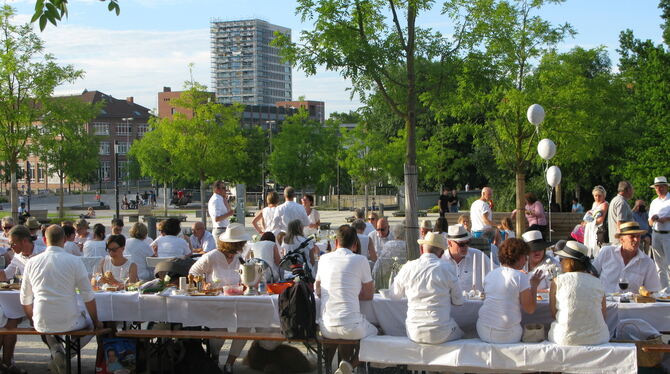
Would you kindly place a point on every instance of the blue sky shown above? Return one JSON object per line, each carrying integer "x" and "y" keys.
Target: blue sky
{"x": 151, "y": 43}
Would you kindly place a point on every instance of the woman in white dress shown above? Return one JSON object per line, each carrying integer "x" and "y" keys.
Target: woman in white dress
{"x": 266, "y": 249}
{"x": 577, "y": 300}
{"x": 95, "y": 247}
{"x": 169, "y": 244}
{"x": 508, "y": 290}
{"x": 267, "y": 214}
{"x": 313, "y": 215}
{"x": 139, "y": 250}
{"x": 116, "y": 270}
{"x": 596, "y": 217}
{"x": 294, "y": 237}
{"x": 221, "y": 266}
{"x": 393, "y": 254}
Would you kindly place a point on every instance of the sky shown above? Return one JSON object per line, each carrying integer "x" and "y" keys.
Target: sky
{"x": 150, "y": 44}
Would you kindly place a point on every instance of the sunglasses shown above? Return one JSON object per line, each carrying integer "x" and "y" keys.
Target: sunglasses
{"x": 382, "y": 229}
{"x": 112, "y": 249}
{"x": 7, "y": 227}
{"x": 463, "y": 244}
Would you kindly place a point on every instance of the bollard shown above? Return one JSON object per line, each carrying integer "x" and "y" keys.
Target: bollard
{"x": 151, "y": 226}
{"x": 381, "y": 210}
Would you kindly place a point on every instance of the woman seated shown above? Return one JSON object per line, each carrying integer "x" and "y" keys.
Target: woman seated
{"x": 90, "y": 213}
{"x": 392, "y": 256}
{"x": 538, "y": 258}
{"x": 294, "y": 238}
{"x": 95, "y": 247}
{"x": 116, "y": 270}
{"x": 577, "y": 300}
{"x": 220, "y": 269}
{"x": 169, "y": 244}
{"x": 464, "y": 220}
{"x": 505, "y": 229}
{"x": 139, "y": 250}
{"x": 508, "y": 290}
{"x": 266, "y": 249}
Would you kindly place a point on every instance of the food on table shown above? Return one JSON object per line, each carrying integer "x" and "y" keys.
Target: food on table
{"x": 233, "y": 290}
{"x": 644, "y": 291}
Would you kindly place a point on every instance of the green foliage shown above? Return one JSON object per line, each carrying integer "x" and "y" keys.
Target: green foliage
{"x": 154, "y": 159}
{"x": 53, "y": 11}
{"x": 304, "y": 152}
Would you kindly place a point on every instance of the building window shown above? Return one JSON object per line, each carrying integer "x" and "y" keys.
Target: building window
{"x": 122, "y": 170}
{"x": 101, "y": 128}
{"x": 41, "y": 173}
{"x": 142, "y": 129}
{"x": 122, "y": 147}
{"x": 124, "y": 129}
{"x": 104, "y": 148}
{"x": 103, "y": 172}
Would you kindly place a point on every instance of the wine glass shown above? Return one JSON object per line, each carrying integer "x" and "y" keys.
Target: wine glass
{"x": 623, "y": 284}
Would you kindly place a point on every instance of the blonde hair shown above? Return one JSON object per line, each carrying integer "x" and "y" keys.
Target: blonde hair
{"x": 600, "y": 189}
{"x": 138, "y": 231}
{"x": 230, "y": 247}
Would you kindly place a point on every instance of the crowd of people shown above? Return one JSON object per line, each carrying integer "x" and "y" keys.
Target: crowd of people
{"x": 368, "y": 255}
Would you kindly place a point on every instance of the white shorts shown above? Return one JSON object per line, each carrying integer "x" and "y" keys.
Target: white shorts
{"x": 493, "y": 335}
{"x": 356, "y": 331}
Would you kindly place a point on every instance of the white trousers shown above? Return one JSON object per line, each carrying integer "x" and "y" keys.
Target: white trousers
{"x": 355, "y": 331}
{"x": 235, "y": 347}
{"x": 493, "y": 335}
{"x": 660, "y": 247}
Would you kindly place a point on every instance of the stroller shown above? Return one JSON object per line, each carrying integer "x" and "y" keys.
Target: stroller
{"x": 295, "y": 260}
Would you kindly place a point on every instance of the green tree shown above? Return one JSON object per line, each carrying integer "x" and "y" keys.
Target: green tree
{"x": 28, "y": 77}
{"x": 54, "y": 10}
{"x": 304, "y": 152}
{"x": 65, "y": 145}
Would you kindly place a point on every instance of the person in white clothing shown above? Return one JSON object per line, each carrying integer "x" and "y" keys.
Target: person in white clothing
{"x": 266, "y": 215}
{"x": 201, "y": 239}
{"x": 117, "y": 228}
{"x": 169, "y": 244}
{"x": 371, "y": 224}
{"x": 342, "y": 280}
{"x": 659, "y": 220}
{"x": 471, "y": 264}
{"x": 367, "y": 248}
{"x": 426, "y": 227}
{"x": 538, "y": 258}
{"x": 289, "y": 211}
{"x": 219, "y": 209}
{"x": 313, "y": 214}
{"x": 293, "y": 239}
{"x": 81, "y": 226}
{"x": 34, "y": 226}
{"x": 508, "y": 290}
{"x": 577, "y": 300}
{"x": 7, "y": 225}
{"x": 220, "y": 268}
{"x": 96, "y": 246}
{"x": 266, "y": 250}
{"x": 392, "y": 255}
{"x": 481, "y": 214}
{"x": 381, "y": 235}
{"x": 49, "y": 296}
{"x": 139, "y": 250}
{"x": 431, "y": 287}
{"x": 116, "y": 270}
{"x": 626, "y": 263}
{"x": 70, "y": 246}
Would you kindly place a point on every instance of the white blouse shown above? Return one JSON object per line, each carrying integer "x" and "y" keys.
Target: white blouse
{"x": 95, "y": 248}
{"x": 216, "y": 268}
{"x": 120, "y": 273}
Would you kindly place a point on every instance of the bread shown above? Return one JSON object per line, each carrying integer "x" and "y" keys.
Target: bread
{"x": 644, "y": 291}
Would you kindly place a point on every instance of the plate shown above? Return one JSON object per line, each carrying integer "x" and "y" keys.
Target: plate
{"x": 663, "y": 299}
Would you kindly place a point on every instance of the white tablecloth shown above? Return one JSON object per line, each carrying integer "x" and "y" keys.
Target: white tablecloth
{"x": 657, "y": 314}
{"x": 473, "y": 355}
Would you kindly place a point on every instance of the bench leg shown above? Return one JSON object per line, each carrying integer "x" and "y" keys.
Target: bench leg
{"x": 319, "y": 358}
{"x": 78, "y": 352}
{"x": 68, "y": 351}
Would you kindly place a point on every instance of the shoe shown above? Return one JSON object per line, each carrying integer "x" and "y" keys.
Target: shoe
{"x": 227, "y": 369}
{"x": 13, "y": 369}
{"x": 59, "y": 362}
{"x": 344, "y": 368}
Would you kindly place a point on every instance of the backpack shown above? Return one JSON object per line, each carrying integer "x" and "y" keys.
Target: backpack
{"x": 297, "y": 312}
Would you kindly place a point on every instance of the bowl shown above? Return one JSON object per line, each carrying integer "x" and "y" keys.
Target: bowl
{"x": 233, "y": 290}
{"x": 277, "y": 288}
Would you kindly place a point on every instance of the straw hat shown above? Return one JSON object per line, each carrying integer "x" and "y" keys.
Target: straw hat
{"x": 534, "y": 240}
{"x": 458, "y": 233}
{"x": 574, "y": 249}
{"x": 434, "y": 240}
{"x": 659, "y": 181}
{"x": 630, "y": 228}
{"x": 235, "y": 233}
{"x": 427, "y": 224}
{"x": 33, "y": 223}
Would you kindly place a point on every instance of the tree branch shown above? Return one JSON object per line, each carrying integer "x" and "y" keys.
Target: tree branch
{"x": 397, "y": 25}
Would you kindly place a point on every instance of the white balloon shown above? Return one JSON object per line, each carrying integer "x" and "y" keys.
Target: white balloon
{"x": 535, "y": 114}
{"x": 553, "y": 176}
{"x": 546, "y": 149}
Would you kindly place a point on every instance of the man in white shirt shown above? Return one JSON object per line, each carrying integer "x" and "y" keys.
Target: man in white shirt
{"x": 49, "y": 297}
{"x": 219, "y": 209}
{"x": 659, "y": 220}
{"x": 34, "y": 226}
{"x": 627, "y": 262}
{"x": 380, "y": 236}
{"x": 201, "y": 238}
{"x": 342, "y": 280}
{"x": 117, "y": 228}
{"x": 431, "y": 287}
{"x": 471, "y": 264}
{"x": 481, "y": 214}
{"x": 289, "y": 211}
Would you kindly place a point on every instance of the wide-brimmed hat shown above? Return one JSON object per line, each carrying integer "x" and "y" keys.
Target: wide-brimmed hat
{"x": 235, "y": 233}
{"x": 427, "y": 224}
{"x": 534, "y": 240}
{"x": 458, "y": 233}
{"x": 659, "y": 180}
{"x": 574, "y": 249}
{"x": 81, "y": 223}
{"x": 435, "y": 240}
{"x": 33, "y": 224}
{"x": 630, "y": 228}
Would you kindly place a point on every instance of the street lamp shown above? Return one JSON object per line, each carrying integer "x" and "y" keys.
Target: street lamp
{"x": 116, "y": 177}
{"x": 129, "y": 130}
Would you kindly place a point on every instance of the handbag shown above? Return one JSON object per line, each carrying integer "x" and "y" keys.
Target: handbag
{"x": 533, "y": 333}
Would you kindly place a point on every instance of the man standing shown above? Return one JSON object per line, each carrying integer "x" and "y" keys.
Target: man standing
{"x": 34, "y": 226}
{"x": 627, "y": 262}
{"x": 619, "y": 210}
{"x": 201, "y": 239}
{"x": 289, "y": 211}
{"x": 49, "y": 296}
{"x": 219, "y": 209}
{"x": 443, "y": 202}
{"x": 481, "y": 214}
{"x": 342, "y": 280}
{"x": 371, "y": 224}
{"x": 659, "y": 220}
{"x": 471, "y": 264}
{"x": 431, "y": 287}
{"x": 381, "y": 235}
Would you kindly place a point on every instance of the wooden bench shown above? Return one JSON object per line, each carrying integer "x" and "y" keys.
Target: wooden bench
{"x": 161, "y": 218}
{"x": 40, "y": 215}
{"x": 70, "y": 343}
{"x": 143, "y": 211}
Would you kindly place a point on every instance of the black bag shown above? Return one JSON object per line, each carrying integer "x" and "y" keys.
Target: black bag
{"x": 297, "y": 312}
{"x": 602, "y": 234}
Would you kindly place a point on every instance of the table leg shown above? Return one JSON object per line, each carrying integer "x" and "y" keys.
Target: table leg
{"x": 319, "y": 358}
{"x": 68, "y": 351}
{"x": 78, "y": 352}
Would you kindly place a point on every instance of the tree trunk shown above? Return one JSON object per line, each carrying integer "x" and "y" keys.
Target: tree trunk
{"x": 559, "y": 197}
{"x": 61, "y": 197}
{"x": 81, "y": 192}
{"x": 203, "y": 207}
{"x": 14, "y": 193}
{"x": 165, "y": 199}
{"x": 520, "y": 203}
{"x": 366, "y": 200}
{"x": 411, "y": 216}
